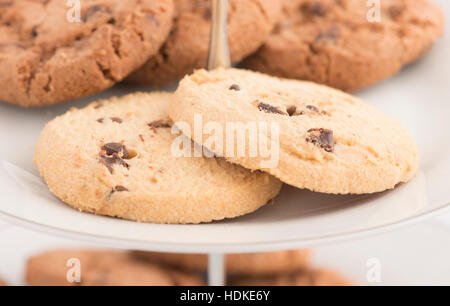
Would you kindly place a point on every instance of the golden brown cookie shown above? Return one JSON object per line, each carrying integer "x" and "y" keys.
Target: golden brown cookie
{"x": 250, "y": 22}
{"x": 310, "y": 277}
{"x": 101, "y": 268}
{"x": 321, "y": 139}
{"x": 236, "y": 264}
{"x": 120, "y": 158}
{"x": 47, "y": 56}
{"x": 333, "y": 43}
{"x": 2, "y": 283}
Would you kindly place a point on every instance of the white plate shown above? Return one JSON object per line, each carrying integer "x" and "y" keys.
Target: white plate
{"x": 419, "y": 97}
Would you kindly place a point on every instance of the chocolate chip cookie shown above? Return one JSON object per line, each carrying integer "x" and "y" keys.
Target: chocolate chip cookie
{"x": 236, "y": 264}
{"x": 308, "y": 135}
{"x": 333, "y": 42}
{"x": 308, "y": 277}
{"x": 122, "y": 158}
{"x": 249, "y": 24}
{"x": 101, "y": 268}
{"x": 49, "y": 53}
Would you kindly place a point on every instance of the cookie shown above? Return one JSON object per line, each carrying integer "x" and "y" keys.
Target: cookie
{"x": 321, "y": 139}
{"x": 236, "y": 264}
{"x": 101, "y": 268}
{"x": 45, "y": 58}
{"x": 250, "y": 23}
{"x": 2, "y": 283}
{"x": 310, "y": 277}
{"x": 121, "y": 158}
{"x": 332, "y": 42}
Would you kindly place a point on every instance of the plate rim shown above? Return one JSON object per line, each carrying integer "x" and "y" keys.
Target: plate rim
{"x": 227, "y": 248}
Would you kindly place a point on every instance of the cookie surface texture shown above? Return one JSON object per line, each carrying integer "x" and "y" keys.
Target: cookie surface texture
{"x": 50, "y": 52}
{"x": 322, "y": 139}
{"x": 333, "y": 42}
{"x": 116, "y": 158}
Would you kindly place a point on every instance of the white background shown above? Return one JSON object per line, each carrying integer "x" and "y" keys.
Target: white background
{"x": 417, "y": 255}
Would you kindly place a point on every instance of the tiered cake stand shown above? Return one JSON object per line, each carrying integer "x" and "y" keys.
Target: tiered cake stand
{"x": 419, "y": 98}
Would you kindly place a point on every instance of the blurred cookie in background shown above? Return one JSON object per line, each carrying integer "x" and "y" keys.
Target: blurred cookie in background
{"x": 236, "y": 264}
{"x": 49, "y": 53}
{"x": 249, "y": 24}
{"x": 334, "y": 42}
{"x": 101, "y": 268}
{"x": 2, "y": 283}
{"x": 309, "y": 277}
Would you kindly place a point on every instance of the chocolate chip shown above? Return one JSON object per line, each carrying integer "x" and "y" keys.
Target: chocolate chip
{"x": 291, "y": 110}
{"x": 34, "y": 32}
{"x": 94, "y": 9}
{"x": 119, "y": 188}
{"x": 159, "y": 124}
{"x": 100, "y": 120}
{"x": 323, "y": 138}
{"x": 109, "y": 161}
{"x": 207, "y": 15}
{"x": 270, "y": 109}
{"x": 313, "y": 108}
{"x": 395, "y": 12}
{"x": 141, "y": 137}
{"x": 330, "y": 34}
{"x": 113, "y": 147}
{"x": 318, "y": 9}
{"x": 235, "y": 87}
{"x": 116, "y": 119}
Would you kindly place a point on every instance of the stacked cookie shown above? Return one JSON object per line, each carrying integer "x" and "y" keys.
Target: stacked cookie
{"x": 105, "y": 268}
{"x": 48, "y": 55}
{"x": 122, "y": 158}
{"x": 51, "y": 53}
{"x": 347, "y": 44}
{"x": 249, "y": 24}
{"x": 325, "y": 140}
{"x": 133, "y": 157}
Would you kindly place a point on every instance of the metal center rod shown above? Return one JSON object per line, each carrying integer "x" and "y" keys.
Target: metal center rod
{"x": 219, "y": 53}
{"x": 219, "y": 56}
